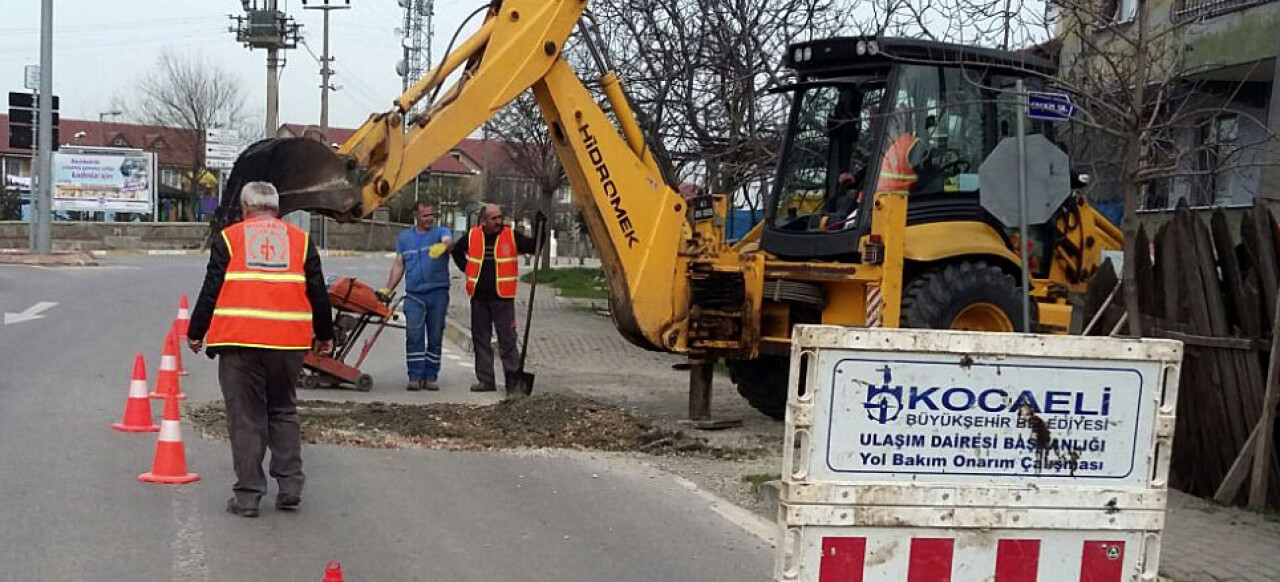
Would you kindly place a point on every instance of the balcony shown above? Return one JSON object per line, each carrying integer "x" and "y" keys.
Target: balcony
{"x": 1185, "y": 10}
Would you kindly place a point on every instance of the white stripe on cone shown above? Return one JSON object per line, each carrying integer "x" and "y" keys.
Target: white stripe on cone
{"x": 183, "y": 314}
{"x": 170, "y": 431}
{"x": 138, "y": 389}
{"x": 168, "y": 364}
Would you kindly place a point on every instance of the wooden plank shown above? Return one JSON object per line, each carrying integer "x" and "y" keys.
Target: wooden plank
{"x": 1263, "y": 451}
{"x": 1240, "y": 470}
{"x": 1229, "y": 343}
{"x": 1102, "y": 285}
{"x": 1231, "y": 368}
{"x": 1188, "y": 455}
{"x": 1240, "y": 313}
{"x": 1143, "y": 271}
{"x": 1211, "y": 409}
{"x": 1261, "y": 246}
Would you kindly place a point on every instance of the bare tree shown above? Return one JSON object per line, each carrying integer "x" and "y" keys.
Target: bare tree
{"x": 189, "y": 95}
{"x": 701, "y": 74}
{"x": 528, "y": 152}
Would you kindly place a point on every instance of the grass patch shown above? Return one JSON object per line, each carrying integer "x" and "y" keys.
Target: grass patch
{"x": 757, "y": 480}
{"x": 581, "y": 282}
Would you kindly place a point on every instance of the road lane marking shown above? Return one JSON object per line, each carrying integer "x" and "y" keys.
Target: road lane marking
{"x": 31, "y": 313}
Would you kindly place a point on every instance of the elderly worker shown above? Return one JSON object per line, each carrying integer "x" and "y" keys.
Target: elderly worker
{"x": 263, "y": 305}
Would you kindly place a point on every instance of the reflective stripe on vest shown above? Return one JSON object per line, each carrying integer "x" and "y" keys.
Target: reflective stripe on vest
{"x": 506, "y": 268}
{"x": 896, "y": 174}
{"x": 263, "y": 302}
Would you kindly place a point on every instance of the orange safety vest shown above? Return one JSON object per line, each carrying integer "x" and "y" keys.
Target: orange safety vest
{"x": 896, "y": 174}
{"x": 263, "y": 302}
{"x": 504, "y": 261}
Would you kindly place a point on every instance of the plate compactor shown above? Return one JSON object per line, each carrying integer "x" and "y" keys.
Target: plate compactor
{"x": 356, "y": 306}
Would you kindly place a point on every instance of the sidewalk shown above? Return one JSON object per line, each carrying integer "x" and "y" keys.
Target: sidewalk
{"x": 574, "y": 350}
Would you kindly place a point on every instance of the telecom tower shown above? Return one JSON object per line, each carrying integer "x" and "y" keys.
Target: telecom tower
{"x": 418, "y": 32}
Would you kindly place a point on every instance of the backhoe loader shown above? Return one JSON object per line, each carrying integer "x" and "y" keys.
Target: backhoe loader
{"x": 833, "y": 247}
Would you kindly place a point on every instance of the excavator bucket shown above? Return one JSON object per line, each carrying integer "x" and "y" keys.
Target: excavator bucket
{"x": 309, "y": 176}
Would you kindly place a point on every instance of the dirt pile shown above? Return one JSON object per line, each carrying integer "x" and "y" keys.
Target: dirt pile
{"x": 542, "y": 421}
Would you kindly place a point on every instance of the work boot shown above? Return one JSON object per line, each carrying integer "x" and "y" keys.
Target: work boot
{"x": 235, "y": 509}
{"x": 483, "y": 387}
{"x": 430, "y": 386}
{"x": 288, "y": 501}
{"x": 414, "y": 385}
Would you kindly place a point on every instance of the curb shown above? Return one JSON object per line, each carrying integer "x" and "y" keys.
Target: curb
{"x": 61, "y": 259}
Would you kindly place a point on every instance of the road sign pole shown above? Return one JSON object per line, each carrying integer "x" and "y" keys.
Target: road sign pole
{"x": 43, "y": 211}
{"x": 1023, "y": 241}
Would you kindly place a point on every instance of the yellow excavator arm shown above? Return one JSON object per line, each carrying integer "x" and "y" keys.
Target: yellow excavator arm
{"x": 634, "y": 217}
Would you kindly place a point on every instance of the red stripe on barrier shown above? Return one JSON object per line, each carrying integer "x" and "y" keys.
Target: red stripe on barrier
{"x": 931, "y": 560}
{"x": 1102, "y": 561}
{"x": 842, "y": 559}
{"x": 1017, "y": 560}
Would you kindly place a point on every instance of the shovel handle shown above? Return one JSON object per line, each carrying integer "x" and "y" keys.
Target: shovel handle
{"x": 539, "y": 226}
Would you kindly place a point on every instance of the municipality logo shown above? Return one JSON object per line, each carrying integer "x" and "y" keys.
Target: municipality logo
{"x": 885, "y": 401}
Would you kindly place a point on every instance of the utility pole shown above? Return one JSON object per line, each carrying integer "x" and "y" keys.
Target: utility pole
{"x": 265, "y": 27}
{"x": 42, "y": 203}
{"x": 325, "y": 87}
{"x": 325, "y": 60}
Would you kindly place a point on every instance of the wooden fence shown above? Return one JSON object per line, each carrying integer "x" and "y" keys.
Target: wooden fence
{"x": 1218, "y": 296}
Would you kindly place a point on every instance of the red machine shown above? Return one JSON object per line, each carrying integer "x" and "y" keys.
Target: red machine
{"x": 355, "y": 307}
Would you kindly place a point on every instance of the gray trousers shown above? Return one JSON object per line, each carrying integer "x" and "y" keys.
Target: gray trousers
{"x": 258, "y": 386}
{"x": 499, "y": 315}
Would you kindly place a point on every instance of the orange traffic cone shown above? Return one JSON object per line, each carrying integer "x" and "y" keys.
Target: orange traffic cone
{"x": 333, "y": 572}
{"x": 184, "y": 318}
{"x": 180, "y": 325}
{"x": 167, "y": 381}
{"x": 177, "y": 340}
{"x": 170, "y": 464}
{"x": 137, "y": 410}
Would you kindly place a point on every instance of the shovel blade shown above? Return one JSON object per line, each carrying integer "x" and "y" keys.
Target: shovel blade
{"x": 521, "y": 384}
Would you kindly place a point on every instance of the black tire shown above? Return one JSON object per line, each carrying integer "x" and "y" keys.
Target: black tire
{"x": 934, "y": 298}
{"x": 763, "y": 383}
{"x": 364, "y": 383}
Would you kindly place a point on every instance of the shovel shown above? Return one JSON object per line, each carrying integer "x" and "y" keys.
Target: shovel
{"x": 521, "y": 382}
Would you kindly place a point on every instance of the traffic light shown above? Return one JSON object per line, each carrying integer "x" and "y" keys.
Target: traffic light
{"x": 23, "y": 118}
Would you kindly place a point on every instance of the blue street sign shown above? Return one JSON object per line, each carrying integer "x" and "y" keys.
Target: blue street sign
{"x": 1050, "y": 106}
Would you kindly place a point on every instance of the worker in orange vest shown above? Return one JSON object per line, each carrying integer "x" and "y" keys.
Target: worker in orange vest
{"x": 488, "y": 257}
{"x": 262, "y": 306}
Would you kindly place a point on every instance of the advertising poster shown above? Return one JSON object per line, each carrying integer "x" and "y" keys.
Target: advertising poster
{"x": 103, "y": 181}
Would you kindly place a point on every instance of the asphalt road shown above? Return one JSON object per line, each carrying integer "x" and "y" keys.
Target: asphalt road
{"x": 72, "y": 508}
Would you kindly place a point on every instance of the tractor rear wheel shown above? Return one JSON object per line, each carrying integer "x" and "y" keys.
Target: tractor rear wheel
{"x": 967, "y": 295}
{"x": 763, "y": 383}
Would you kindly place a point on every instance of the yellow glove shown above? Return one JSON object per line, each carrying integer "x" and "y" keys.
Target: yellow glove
{"x": 435, "y": 250}
{"x": 384, "y": 293}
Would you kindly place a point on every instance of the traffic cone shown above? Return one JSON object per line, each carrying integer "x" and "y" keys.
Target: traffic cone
{"x": 137, "y": 410}
{"x": 177, "y": 352}
{"x": 333, "y": 572}
{"x": 170, "y": 463}
{"x": 167, "y": 380}
{"x": 184, "y": 318}
{"x": 180, "y": 325}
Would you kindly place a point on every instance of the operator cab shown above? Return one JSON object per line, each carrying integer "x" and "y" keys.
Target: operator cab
{"x": 945, "y": 106}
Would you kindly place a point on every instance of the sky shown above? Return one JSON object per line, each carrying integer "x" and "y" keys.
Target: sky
{"x": 101, "y": 48}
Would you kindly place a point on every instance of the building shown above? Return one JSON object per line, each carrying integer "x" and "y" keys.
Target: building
{"x": 173, "y": 149}
{"x": 1218, "y": 59}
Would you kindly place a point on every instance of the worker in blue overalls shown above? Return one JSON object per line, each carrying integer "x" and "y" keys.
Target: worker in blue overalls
{"x": 422, "y": 259}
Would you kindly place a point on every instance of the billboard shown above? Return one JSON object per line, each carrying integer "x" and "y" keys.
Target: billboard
{"x": 104, "y": 180}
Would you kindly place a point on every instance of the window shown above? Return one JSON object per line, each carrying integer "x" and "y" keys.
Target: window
{"x": 943, "y": 111}
{"x": 171, "y": 177}
{"x": 828, "y": 154}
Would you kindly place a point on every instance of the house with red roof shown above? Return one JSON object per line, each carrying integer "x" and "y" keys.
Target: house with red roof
{"x": 175, "y": 151}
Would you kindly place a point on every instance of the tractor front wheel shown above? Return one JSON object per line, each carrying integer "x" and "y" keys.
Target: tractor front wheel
{"x": 966, "y": 295}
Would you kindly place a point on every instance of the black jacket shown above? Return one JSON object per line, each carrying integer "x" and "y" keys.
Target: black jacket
{"x": 219, "y": 257}
{"x": 487, "y": 285}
